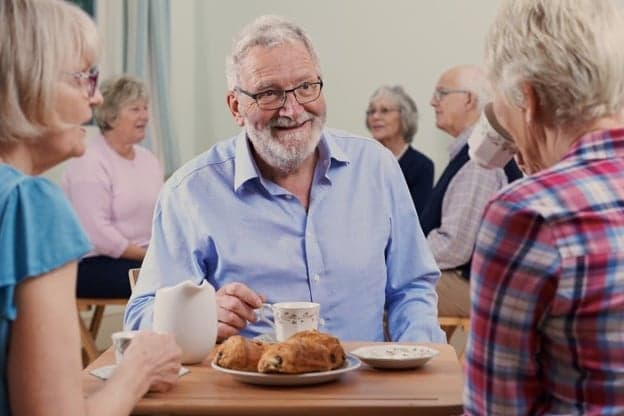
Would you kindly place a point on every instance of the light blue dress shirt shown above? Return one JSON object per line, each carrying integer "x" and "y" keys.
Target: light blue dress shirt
{"x": 358, "y": 248}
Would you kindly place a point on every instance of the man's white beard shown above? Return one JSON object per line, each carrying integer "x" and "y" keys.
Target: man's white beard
{"x": 286, "y": 153}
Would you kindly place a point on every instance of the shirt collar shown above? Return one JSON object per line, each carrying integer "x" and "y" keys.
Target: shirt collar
{"x": 461, "y": 140}
{"x": 600, "y": 144}
{"x": 246, "y": 168}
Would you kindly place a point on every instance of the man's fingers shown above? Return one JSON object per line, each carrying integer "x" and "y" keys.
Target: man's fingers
{"x": 225, "y": 331}
{"x": 231, "y": 318}
{"x": 244, "y": 293}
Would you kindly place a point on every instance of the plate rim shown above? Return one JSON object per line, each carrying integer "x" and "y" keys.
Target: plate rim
{"x": 351, "y": 363}
{"x": 434, "y": 352}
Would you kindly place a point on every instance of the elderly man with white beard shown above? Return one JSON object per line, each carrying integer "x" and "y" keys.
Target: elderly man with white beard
{"x": 291, "y": 211}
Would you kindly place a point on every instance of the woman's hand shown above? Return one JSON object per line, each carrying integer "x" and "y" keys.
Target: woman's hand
{"x": 156, "y": 360}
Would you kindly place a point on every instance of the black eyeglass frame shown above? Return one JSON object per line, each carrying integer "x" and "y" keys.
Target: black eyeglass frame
{"x": 294, "y": 90}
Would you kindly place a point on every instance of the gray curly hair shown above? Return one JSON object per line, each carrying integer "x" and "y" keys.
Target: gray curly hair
{"x": 407, "y": 109}
{"x": 116, "y": 92}
{"x": 267, "y": 31}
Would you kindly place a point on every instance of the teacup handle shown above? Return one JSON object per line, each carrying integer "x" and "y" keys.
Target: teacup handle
{"x": 266, "y": 307}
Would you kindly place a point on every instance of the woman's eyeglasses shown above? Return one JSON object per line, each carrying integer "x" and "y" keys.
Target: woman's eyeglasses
{"x": 87, "y": 79}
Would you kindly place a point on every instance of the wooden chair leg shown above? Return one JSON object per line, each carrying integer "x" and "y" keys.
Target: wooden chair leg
{"x": 96, "y": 320}
{"x": 465, "y": 326}
{"x": 88, "y": 343}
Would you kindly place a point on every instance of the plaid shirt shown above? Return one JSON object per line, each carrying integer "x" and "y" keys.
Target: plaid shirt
{"x": 547, "y": 319}
{"x": 465, "y": 198}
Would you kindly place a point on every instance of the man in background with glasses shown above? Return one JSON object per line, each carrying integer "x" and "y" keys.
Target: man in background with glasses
{"x": 452, "y": 217}
{"x": 291, "y": 211}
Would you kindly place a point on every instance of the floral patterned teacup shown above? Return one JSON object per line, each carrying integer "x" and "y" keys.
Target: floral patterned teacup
{"x": 291, "y": 317}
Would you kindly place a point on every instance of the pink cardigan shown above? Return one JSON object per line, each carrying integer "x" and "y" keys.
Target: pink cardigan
{"x": 113, "y": 197}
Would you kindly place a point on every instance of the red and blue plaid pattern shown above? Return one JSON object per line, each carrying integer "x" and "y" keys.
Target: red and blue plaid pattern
{"x": 547, "y": 290}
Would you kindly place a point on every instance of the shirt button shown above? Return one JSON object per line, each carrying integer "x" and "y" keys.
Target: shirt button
{"x": 322, "y": 322}
{"x": 316, "y": 278}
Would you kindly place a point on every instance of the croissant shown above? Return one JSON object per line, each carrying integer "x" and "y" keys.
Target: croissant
{"x": 336, "y": 352}
{"x": 239, "y": 353}
{"x": 306, "y": 351}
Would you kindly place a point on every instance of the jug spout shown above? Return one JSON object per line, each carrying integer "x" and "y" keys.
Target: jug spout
{"x": 191, "y": 288}
{"x": 189, "y": 312}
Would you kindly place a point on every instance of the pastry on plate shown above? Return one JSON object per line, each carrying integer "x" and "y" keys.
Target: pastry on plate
{"x": 336, "y": 352}
{"x": 240, "y": 353}
{"x": 307, "y": 351}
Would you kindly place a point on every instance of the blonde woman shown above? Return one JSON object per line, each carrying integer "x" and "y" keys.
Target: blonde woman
{"x": 113, "y": 188}
{"x": 48, "y": 87}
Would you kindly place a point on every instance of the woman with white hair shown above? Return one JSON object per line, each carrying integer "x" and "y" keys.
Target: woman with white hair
{"x": 547, "y": 279}
{"x": 48, "y": 84}
{"x": 113, "y": 187}
{"x": 392, "y": 119}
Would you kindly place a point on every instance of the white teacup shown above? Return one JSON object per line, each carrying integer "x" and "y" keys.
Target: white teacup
{"x": 121, "y": 340}
{"x": 490, "y": 145}
{"x": 291, "y": 317}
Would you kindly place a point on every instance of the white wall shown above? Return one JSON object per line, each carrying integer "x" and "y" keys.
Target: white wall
{"x": 362, "y": 44}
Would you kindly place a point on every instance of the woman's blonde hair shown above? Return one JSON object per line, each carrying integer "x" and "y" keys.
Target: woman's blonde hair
{"x": 570, "y": 51}
{"x": 117, "y": 92}
{"x": 39, "y": 39}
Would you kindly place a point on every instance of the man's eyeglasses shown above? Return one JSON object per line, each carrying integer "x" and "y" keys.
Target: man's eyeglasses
{"x": 440, "y": 93}
{"x": 274, "y": 99}
{"x": 381, "y": 111}
{"x": 87, "y": 79}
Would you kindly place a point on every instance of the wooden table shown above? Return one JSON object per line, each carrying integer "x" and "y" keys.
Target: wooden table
{"x": 435, "y": 389}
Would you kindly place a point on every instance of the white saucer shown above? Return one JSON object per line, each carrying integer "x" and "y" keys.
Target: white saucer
{"x": 105, "y": 372}
{"x": 351, "y": 363}
{"x": 395, "y": 355}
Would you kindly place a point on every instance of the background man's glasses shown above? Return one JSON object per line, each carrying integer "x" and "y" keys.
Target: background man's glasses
{"x": 440, "y": 93}
{"x": 274, "y": 99}
{"x": 87, "y": 79}
{"x": 381, "y": 111}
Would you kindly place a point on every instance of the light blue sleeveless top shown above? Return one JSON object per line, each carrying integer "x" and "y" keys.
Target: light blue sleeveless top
{"x": 39, "y": 232}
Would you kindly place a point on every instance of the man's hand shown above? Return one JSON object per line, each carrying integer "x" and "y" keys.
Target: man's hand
{"x": 235, "y": 307}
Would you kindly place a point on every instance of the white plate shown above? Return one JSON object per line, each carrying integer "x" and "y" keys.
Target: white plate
{"x": 395, "y": 355}
{"x": 351, "y": 363}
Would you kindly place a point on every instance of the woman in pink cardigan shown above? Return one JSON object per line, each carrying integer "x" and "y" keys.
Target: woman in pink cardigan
{"x": 113, "y": 189}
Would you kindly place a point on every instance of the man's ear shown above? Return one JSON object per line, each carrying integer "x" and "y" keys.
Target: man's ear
{"x": 471, "y": 100}
{"x": 233, "y": 104}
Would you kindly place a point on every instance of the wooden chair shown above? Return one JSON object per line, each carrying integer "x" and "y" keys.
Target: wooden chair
{"x": 450, "y": 324}
{"x": 133, "y": 276}
{"x": 88, "y": 334}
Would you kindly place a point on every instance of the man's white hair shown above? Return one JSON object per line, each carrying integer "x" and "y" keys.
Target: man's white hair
{"x": 267, "y": 31}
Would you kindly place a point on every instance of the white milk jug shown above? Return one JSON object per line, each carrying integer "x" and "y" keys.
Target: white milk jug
{"x": 189, "y": 312}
